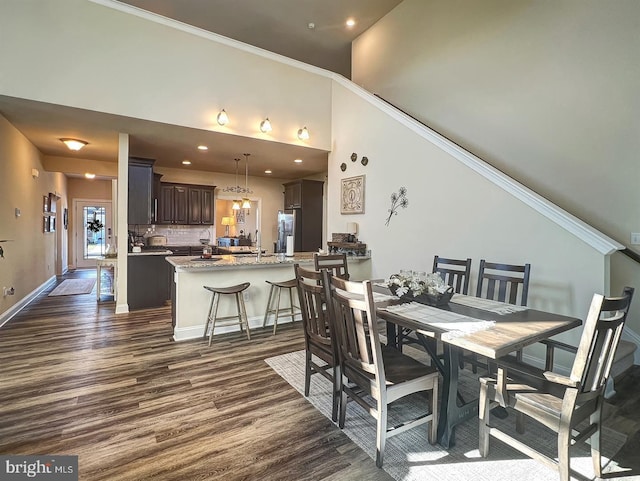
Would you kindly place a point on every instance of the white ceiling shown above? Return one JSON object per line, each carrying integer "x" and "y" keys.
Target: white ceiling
{"x": 280, "y": 26}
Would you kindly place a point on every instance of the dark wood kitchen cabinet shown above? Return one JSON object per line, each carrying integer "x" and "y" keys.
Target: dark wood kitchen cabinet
{"x": 173, "y": 204}
{"x": 304, "y": 197}
{"x": 148, "y": 283}
{"x": 140, "y": 191}
{"x": 201, "y": 208}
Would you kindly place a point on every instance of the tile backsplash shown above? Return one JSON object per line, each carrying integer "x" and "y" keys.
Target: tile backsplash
{"x": 181, "y": 234}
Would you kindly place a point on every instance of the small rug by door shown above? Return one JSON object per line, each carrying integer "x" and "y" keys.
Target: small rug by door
{"x": 410, "y": 457}
{"x": 69, "y": 287}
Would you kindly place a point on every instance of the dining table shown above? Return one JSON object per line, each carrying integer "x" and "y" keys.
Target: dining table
{"x": 485, "y": 327}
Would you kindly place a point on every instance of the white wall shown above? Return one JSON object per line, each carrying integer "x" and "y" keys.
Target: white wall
{"x": 545, "y": 91}
{"x": 30, "y": 257}
{"x": 452, "y": 212}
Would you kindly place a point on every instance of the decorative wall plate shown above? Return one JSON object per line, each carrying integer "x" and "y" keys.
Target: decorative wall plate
{"x": 354, "y": 157}
{"x": 343, "y": 167}
{"x": 364, "y": 161}
{"x": 352, "y": 194}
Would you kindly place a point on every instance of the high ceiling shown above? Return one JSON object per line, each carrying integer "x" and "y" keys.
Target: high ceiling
{"x": 280, "y": 26}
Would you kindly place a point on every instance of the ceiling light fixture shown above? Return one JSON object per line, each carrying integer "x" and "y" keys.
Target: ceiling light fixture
{"x": 236, "y": 205}
{"x": 203, "y": 147}
{"x": 237, "y": 189}
{"x": 268, "y": 172}
{"x": 90, "y": 176}
{"x": 298, "y": 161}
{"x": 350, "y": 22}
{"x": 74, "y": 144}
{"x": 186, "y": 162}
{"x": 265, "y": 126}
{"x": 223, "y": 118}
{"x": 303, "y": 133}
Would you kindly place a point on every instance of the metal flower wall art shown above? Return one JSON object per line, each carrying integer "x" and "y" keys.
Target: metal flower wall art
{"x": 398, "y": 200}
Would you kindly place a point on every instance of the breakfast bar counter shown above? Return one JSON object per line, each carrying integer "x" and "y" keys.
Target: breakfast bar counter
{"x": 190, "y": 301}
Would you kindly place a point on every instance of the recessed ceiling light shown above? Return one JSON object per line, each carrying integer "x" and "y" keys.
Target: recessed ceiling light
{"x": 350, "y": 22}
{"x": 203, "y": 147}
{"x": 268, "y": 172}
{"x": 298, "y": 161}
{"x": 186, "y": 162}
{"x": 90, "y": 176}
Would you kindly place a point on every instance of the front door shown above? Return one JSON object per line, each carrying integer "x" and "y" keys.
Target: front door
{"x": 93, "y": 231}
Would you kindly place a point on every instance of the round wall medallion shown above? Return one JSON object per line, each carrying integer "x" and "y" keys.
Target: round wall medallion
{"x": 354, "y": 157}
{"x": 364, "y": 161}
{"x": 343, "y": 167}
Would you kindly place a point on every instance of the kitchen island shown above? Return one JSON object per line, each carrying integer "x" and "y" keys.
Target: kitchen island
{"x": 190, "y": 301}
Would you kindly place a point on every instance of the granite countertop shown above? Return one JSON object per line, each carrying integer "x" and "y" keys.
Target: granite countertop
{"x": 151, "y": 253}
{"x": 226, "y": 261}
{"x": 249, "y": 260}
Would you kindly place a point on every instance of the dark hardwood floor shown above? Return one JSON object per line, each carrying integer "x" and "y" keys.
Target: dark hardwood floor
{"x": 134, "y": 405}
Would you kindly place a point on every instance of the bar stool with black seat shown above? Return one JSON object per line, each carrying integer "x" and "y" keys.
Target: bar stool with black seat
{"x": 274, "y": 298}
{"x": 241, "y": 315}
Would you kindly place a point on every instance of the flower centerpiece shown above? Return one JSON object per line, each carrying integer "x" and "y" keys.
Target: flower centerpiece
{"x": 427, "y": 289}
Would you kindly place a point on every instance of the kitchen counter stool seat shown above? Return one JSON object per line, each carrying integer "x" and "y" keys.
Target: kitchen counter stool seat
{"x": 287, "y": 311}
{"x": 241, "y": 315}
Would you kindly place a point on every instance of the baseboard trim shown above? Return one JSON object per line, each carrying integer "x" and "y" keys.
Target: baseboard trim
{"x": 196, "y": 332}
{"x": 22, "y": 303}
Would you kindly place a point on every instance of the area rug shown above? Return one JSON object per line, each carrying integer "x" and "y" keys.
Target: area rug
{"x": 409, "y": 456}
{"x": 69, "y": 287}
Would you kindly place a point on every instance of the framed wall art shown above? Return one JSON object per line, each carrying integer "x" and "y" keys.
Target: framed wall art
{"x": 352, "y": 195}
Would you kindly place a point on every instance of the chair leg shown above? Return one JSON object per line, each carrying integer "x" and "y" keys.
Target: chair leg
{"x": 336, "y": 393}
{"x": 520, "y": 423}
{"x": 381, "y": 432}
{"x": 242, "y": 314}
{"x": 484, "y": 410}
{"x": 433, "y": 431}
{"x": 596, "y": 456}
{"x": 268, "y": 309}
{"x": 343, "y": 401}
{"x": 215, "y": 314}
{"x": 293, "y": 315}
{"x": 209, "y": 318}
{"x": 564, "y": 441}
{"x": 275, "y": 320}
{"x": 307, "y": 372}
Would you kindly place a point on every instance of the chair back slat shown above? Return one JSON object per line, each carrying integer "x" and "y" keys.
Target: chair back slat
{"x": 335, "y": 263}
{"x": 355, "y": 321}
{"x": 504, "y": 282}
{"x": 600, "y": 339}
{"x": 454, "y": 272}
{"x": 312, "y": 294}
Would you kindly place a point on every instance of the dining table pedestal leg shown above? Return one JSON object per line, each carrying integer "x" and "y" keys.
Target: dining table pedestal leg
{"x": 452, "y": 414}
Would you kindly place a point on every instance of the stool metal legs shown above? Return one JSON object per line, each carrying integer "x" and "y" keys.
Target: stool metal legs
{"x": 212, "y": 316}
{"x": 278, "y": 311}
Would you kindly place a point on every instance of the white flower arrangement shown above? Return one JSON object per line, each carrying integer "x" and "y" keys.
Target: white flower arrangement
{"x": 415, "y": 285}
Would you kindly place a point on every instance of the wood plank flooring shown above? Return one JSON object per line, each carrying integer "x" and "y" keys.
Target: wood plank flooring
{"x": 134, "y": 405}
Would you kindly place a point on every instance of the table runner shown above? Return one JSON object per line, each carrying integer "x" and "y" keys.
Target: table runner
{"x": 496, "y": 307}
{"x": 455, "y": 324}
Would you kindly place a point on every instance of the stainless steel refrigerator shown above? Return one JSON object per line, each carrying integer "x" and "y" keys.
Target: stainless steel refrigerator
{"x": 286, "y": 227}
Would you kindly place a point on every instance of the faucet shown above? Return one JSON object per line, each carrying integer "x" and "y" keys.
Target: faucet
{"x": 259, "y": 253}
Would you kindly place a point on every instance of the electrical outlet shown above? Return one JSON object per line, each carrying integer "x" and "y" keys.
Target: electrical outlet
{"x": 635, "y": 238}
{"x": 8, "y": 291}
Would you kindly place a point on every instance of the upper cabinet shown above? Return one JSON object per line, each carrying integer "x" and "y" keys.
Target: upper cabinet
{"x": 185, "y": 204}
{"x": 200, "y": 205}
{"x": 172, "y": 204}
{"x": 140, "y": 189}
{"x": 306, "y": 197}
{"x": 293, "y": 195}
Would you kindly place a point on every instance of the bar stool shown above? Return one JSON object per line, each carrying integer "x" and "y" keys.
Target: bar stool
{"x": 213, "y": 308}
{"x": 288, "y": 311}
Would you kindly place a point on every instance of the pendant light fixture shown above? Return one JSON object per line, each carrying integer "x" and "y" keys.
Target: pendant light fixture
{"x": 246, "y": 203}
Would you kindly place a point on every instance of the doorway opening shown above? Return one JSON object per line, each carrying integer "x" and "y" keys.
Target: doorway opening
{"x": 93, "y": 231}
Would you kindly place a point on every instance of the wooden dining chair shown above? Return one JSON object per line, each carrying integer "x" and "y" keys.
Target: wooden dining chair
{"x": 504, "y": 283}
{"x": 370, "y": 368}
{"x": 336, "y": 263}
{"x": 561, "y": 403}
{"x": 319, "y": 338}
